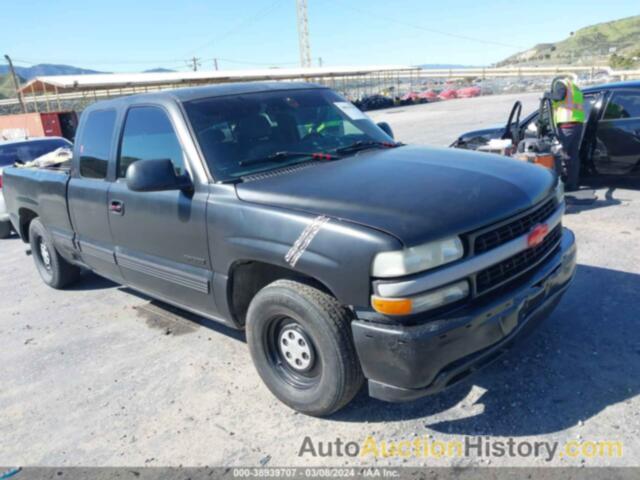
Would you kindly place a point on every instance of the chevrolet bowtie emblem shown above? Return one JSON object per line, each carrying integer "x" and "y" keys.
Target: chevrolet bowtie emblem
{"x": 537, "y": 235}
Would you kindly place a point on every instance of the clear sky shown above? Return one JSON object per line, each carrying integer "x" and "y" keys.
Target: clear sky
{"x": 134, "y": 35}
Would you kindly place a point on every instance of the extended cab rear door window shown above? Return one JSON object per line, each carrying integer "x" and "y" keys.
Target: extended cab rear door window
{"x": 95, "y": 143}
{"x": 149, "y": 135}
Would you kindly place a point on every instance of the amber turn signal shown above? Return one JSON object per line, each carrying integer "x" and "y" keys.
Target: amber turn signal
{"x": 392, "y": 306}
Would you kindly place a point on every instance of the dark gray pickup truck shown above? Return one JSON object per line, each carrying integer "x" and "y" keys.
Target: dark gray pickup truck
{"x": 281, "y": 209}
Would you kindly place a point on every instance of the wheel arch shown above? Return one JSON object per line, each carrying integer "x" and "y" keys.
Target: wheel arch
{"x": 25, "y": 217}
{"x": 247, "y": 277}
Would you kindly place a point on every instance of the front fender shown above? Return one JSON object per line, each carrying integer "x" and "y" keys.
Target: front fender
{"x": 336, "y": 253}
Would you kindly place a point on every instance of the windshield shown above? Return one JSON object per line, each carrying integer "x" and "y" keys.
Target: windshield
{"x": 23, "y": 152}
{"x": 244, "y": 134}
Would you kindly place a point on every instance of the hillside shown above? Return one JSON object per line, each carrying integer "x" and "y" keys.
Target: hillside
{"x": 614, "y": 43}
{"x": 46, "y": 69}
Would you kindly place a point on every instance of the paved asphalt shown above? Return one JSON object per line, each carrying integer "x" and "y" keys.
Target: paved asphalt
{"x": 101, "y": 376}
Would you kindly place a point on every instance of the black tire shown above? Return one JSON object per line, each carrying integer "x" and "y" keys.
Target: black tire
{"x": 333, "y": 376}
{"x": 54, "y": 270}
{"x": 5, "y": 229}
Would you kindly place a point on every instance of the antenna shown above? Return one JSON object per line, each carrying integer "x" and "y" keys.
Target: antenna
{"x": 303, "y": 34}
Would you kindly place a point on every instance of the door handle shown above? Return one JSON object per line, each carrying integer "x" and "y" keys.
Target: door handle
{"x": 116, "y": 207}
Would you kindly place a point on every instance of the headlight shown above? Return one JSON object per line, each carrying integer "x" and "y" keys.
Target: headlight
{"x": 560, "y": 191}
{"x": 417, "y": 259}
{"x": 421, "y": 303}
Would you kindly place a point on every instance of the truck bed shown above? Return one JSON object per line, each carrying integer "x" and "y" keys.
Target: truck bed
{"x": 38, "y": 191}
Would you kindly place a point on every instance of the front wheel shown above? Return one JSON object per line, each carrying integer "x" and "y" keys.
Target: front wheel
{"x": 301, "y": 344}
{"x": 54, "y": 270}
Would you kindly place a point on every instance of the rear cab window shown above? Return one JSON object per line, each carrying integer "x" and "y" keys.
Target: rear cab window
{"x": 94, "y": 143}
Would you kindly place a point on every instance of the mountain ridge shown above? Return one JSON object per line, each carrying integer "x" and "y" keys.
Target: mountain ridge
{"x": 615, "y": 43}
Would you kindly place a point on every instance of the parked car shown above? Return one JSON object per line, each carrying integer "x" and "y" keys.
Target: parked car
{"x": 468, "y": 92}
{"x": 374, "y": 102}
{"x": 611, "y": 138}
{"x": 410, "y": 98}
{"x": 429, "y": 95}
{"x": 447, "y": 94}
{"x": 22, "y": 151}
{"x": 281, "y": 209}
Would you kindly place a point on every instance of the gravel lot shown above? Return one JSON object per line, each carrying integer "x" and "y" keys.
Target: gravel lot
{"x": 101, "y": 376}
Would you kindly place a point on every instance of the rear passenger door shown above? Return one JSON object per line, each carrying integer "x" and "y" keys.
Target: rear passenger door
{"x": 160, "y": 237}
{"x": 88, "y": 192}
{"x": 618, "y": 134}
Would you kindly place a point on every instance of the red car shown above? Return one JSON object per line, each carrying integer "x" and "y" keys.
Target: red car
{"x": 410, "y": 97}
{"x": 448, "y": 94}
{"x": 428, "y": 95}
{"x": 468, "y": 92}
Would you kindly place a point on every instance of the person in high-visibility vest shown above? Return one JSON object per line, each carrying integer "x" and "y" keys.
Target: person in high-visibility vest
{"x": 567, "y": 104}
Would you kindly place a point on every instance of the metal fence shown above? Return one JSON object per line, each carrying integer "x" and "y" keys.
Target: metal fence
{"x": 389, "y": 82}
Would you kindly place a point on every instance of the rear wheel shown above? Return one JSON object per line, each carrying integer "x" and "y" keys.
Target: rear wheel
{"x": 5, "y": 229}
{"x": 54, "y": 270}
{"x": 300, "y": 341}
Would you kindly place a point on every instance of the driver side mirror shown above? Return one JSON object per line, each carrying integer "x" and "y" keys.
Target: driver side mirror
{"x": 386, "y": 128}
{"x": 156, "y": 176}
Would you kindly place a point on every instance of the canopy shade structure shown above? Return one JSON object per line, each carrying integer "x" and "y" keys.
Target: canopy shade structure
{"x": 107, "y": 81}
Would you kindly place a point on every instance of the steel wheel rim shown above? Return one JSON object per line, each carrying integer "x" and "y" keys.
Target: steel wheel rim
{"x": 44, "y": 254}
{"x": 295, "y": 348}
{"x": 302, "y": 374}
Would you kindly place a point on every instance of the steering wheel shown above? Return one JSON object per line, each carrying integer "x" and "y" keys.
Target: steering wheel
{"x": 514, "y": 116}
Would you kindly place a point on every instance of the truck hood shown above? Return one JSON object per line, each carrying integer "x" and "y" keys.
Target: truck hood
{"x": 416, "y": 194}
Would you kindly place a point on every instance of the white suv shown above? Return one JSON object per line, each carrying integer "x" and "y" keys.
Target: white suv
{"x": 23, "y": 151}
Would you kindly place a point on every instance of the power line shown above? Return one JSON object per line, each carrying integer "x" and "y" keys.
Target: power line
{"x": 194, "y": 62}
{"x": 430, "y": 30}
{"x": 173, "y": 64}
{"x": 100, "y": 62}
{"x": 258, "y": 16}
{"x": 249, "y": 62}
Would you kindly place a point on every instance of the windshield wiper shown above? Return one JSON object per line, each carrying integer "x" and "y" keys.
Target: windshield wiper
{"x": 288, "y": 154}
{"x": 363, "y": 145}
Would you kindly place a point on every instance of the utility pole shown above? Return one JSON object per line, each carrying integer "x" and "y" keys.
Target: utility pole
{"x": 303, "y": 34}
{"x": 320, "y": 61}
{"x": 215, "y": 64}
{"x": 16, "y": 84}
{"x": 195, "y": 63}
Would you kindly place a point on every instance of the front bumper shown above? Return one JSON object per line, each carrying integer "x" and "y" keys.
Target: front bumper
{"x": 407, "y": 362}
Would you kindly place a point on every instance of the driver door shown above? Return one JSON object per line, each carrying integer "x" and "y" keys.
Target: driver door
{"x": 160, "y": 238}
{"x": 617, "y": 149}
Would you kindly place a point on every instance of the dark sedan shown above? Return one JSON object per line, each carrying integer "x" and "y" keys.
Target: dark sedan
{"x": 611, "y": 142}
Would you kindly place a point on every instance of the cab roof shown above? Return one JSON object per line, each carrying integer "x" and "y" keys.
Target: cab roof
{"x": 612, "y": 86}
{"x": 209, "y": 91}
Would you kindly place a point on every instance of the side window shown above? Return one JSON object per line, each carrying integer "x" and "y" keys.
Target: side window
{"x": 149, "y": 135}
{"x": 623, "y": 105}
{"x": 95, "y": 143}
